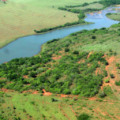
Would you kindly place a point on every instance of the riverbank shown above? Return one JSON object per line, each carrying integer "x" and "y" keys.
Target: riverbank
{"x": 114, "y": 16}
{"x": 25, "y": 16}
{"x": 13, "y": 40}
{"x": 30, "y": 45}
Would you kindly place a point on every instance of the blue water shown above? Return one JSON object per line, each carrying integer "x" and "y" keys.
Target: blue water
{"x": 31, "y": 45}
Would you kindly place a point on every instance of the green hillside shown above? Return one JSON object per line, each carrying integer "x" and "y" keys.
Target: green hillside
{"x": 80, "y": 74}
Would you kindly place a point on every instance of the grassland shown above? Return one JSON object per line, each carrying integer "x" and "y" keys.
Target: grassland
{"x": 114, "y": 16}
{"x": 73, "y": 65}
{"x": 17, "y": 106}
{"x": 20, "y": 18}
{"x": 93, "y": 6}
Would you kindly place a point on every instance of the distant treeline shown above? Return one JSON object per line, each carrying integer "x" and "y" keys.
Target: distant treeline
{"x": 110, "y": 2}
{"x": 60, "y": 26}
{"x": 81, "y": 16}
{"x": 78, "y": 10}
{"x": 81, "y": 5}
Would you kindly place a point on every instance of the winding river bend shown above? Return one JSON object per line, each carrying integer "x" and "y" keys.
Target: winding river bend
{"x": 31, "y": 45}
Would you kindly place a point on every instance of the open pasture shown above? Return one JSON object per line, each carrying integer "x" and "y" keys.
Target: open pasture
{"x": 20, "y": 18}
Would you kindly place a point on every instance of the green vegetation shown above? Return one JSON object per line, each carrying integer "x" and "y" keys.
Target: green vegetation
{"x": 61, "y": 26}
{"x": 81, "y": 16}
{"x": 64, "y": 72}
{"x": 114, "y": 16}
{"x": 118, "y": 65}
{"x": 107, "y": 81}
{"x": 26, "y": 106}
{"x": 74, "y": 65}
{"x": 44, "y": 76}
{"x": 117, "y": 83}
{"x": 64, "y": 69}
{"x": 84, "y": 116}
{"x": 29, "y": 15}
{"x": 110, "y": 2}
{"x": 112, "y": 76}
{"x": 74, "y": 9}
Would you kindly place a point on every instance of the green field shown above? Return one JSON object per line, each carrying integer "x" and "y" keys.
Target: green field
{"x": 17, "y": 106}
{"x": 114, "y": 16}
{"x": 20, "y": 18}
{"x": 93, "y": 6}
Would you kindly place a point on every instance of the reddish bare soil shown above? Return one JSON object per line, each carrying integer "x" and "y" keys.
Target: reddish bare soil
{"x": 35, "y": 92}
{"x": 56, "y": 58}
{"x": 98, "y": 71}
{"x": 112, "y": 69}
{"x": 6, "y": 90}
{"x": 92, "y": 98}
{"x": 25, "y": 76}
{"x": 62, "y": 51}
{"x": 27, "y": 91}
{"x": 81, "y": 61}
{"x": 108, "y": 68}
{"x": 62, "y": 95}
{"x": 89, "y": 54}
{"x": 46, "y": 93}
{"x": 31, "y": 91}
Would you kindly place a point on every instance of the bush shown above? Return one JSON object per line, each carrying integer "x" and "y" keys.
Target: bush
{"x": 67, "y": 49}
{"x": 102, "y": 94}
{"x": 107, "y": 81}
{"x": 76, "y": 52}
{"x": 33, "y": 74}
{"x": 112, "y": 76}
{"x": 84, "y": 116}
{"x": 93, "y": 37}
{"x": 54, "y": 100}
{"x": 117, "y": 83}
{"x": 118, "y": 65}
{"x": 107, "y": 90}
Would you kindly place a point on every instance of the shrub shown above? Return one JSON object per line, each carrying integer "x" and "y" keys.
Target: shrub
{"x": 105, "y": 73}
{"x": 54, "y": 100}
{"x": 32, "y": 102}
{"x": 102, "y": 94}
{"x": 84, "y": 116}
{"x": 112, "y": 76}
{"x": 107, "y": 90}
{"x": 67, "y": 49}
{"x": 17, "y": 118}
{"x": 107, "y": 81}
{"x": 76, "y": 52}
{"x": 117, "y": 83}
{"x": 33, "y": 74}
{"x": 118, "y": 65}
{"x": 93, "y": 37}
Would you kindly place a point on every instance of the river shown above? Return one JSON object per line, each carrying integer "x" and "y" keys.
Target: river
{"x": 31, "y": 45}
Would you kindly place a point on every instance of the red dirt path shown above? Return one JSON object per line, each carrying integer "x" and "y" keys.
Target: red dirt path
{"x": 56, "y": 58}
{"x": 46, "y": 93}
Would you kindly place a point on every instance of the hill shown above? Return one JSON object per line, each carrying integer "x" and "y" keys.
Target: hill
{"x": 80, "y": 73}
